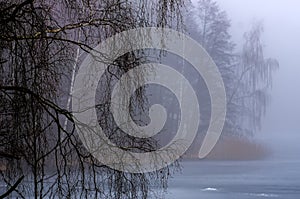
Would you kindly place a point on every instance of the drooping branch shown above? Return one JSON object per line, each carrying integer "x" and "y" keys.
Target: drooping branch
{"x": 12, "y": 188}
{"x": 39, "y": 98}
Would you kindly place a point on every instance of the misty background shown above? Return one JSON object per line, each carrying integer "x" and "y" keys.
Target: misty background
{"x": 281, "y": 125}
{"x": 278, "y": 175}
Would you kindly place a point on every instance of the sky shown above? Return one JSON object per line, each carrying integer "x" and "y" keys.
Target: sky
{"x": 281, "y": 38}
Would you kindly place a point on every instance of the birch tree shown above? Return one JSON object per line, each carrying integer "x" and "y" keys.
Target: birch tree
{"x": 41, "y": 45}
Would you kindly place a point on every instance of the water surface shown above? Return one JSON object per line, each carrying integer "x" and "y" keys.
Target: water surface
{"x": 271, "y": 178}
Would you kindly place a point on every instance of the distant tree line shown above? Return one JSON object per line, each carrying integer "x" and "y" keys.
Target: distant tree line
{"x": 246, "y": 72}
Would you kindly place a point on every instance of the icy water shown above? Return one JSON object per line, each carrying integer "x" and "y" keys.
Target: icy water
{"x": 236, "y": 180}
{"x": 271, "y": 178}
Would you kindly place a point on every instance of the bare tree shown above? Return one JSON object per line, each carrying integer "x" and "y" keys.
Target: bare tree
{"x": 41, "y": 43}
{"x": 253, "y": 81}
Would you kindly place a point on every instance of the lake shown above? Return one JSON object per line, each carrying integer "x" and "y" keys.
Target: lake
{"x": 272, "y": 178}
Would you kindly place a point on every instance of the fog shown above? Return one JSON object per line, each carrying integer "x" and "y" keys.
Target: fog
{"x": 278, "y": 175}
{"x": 281, "y": 125}
{"x": 41, "y": 154}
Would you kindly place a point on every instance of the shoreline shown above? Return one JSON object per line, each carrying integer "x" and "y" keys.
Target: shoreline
{"x": 235, "y": 149}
